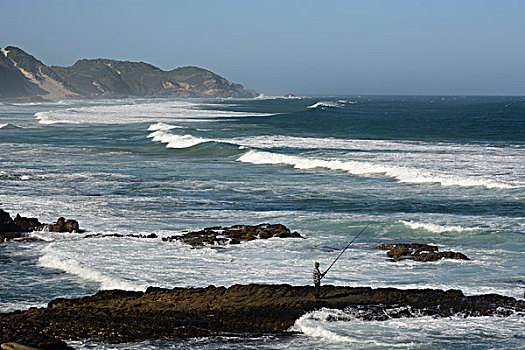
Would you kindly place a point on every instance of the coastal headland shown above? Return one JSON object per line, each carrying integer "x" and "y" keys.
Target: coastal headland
{"x": 25, "y": 78}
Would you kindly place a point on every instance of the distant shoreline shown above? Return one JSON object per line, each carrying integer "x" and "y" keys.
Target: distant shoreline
{"x": 22, "y": 76}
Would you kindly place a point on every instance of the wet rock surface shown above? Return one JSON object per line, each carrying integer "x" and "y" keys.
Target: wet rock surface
{"x": 233, "y": 235}
{"x": 11, "y": 228}
{"x": 120, "y": 235}
{"x": 244, "y": 310}
{"x": 418, "y": 252}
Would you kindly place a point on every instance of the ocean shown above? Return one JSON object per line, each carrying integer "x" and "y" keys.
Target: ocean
{"x": 448, "y": 171}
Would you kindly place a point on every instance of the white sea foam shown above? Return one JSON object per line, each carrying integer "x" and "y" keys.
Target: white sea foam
{"x": 315, "y": 324}
{"x": 41, "y": 236}
{"x": 176, "y": 141}
{"x": 348, "y": 102}
{"x": 47, "y": 236}
{"x": 264, "y": 97}
{"x": 325, "y": 104}
{"x": 402, "y": 174}
{"x": 9, "y": 125}
{"x": 436, "y": 228}
{"x": 282, "y": 141}
{"x": 329, "y": 327}
{"x": 408, "y": 162}
{"x": 46, "y": 119}
{"x": 56, "y": 259}
{"x": 163, "y": 127}
{"x": 124, "y": 112}
{"x": 318, "y": 331}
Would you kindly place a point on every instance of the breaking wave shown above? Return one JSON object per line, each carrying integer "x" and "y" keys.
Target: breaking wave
{"x": 316, "y": 324}
{"x": 436, "y": 228}
{"x": 397, "y": 165}
{"x": 163, "y": 127}
{"x": 325, "y": 104}
{"x": 47, "y": 119}
{"x": 402, "y": 174}
{"x": 329, "y": 326}
{"x": 176, "y": 141}
{"x": 331, "y": 104}
{"x": 9, "y": 126}
{"x": 56, "y": 259}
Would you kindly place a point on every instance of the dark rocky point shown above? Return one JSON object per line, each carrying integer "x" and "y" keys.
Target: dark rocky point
{"x": 13, "y": 228}
{"x": 244, "y": 310}
{"x": 233, "y": 235}
{"x": 418, "y": 252}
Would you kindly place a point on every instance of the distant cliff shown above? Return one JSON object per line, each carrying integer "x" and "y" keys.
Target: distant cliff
{"x": 22, "y": 76}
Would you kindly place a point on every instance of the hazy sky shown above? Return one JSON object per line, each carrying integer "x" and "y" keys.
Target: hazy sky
{"x": 302, "y": 47}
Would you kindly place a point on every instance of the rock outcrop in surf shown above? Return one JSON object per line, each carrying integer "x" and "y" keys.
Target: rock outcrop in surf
{"x": 242, "y": 310}
{"x": 217, "y": 235}
{"x": 418, "y": 252}
{"x": 11, "y": 228}
{"x": 234, "y": 234}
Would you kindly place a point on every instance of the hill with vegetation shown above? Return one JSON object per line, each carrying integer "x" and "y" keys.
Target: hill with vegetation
{"x": 22, "y": 76}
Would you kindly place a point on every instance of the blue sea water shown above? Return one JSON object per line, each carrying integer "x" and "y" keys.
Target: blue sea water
{"x": 448, "y": 171}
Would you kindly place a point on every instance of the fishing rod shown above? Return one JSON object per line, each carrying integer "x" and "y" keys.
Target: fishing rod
{"x": 352, "y": 241}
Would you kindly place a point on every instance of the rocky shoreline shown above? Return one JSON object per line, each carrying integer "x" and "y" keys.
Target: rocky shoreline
{"x": 244, "y": 310}
{"x": 11, "y": 228}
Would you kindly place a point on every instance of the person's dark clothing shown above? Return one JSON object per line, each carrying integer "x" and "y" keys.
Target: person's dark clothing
{"x": 317, "y": 291}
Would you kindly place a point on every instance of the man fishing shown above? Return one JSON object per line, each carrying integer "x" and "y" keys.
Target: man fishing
{"x": 318, "y": 275}
{"x": 317, "y": 280}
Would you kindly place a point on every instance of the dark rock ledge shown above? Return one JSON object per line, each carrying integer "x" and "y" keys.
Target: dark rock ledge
{"x": 13, "y": 228}
{"x": 244, "y": 310}
{"x": 218, "y": 235}
{"x": 418, "y": 252}
{"x": 233, "y": 235}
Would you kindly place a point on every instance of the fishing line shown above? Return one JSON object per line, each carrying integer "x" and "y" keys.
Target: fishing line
{"x": 352, "y": 241}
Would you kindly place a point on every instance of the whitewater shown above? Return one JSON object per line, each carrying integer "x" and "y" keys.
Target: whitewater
{"x": 448, "y": 171}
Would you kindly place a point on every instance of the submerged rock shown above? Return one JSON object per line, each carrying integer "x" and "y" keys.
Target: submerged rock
{"x": 418, "y": 252}
{"x": 233, "y": 235}
{"x": 12, "y": 228}
{"x": 244, "y": 310}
